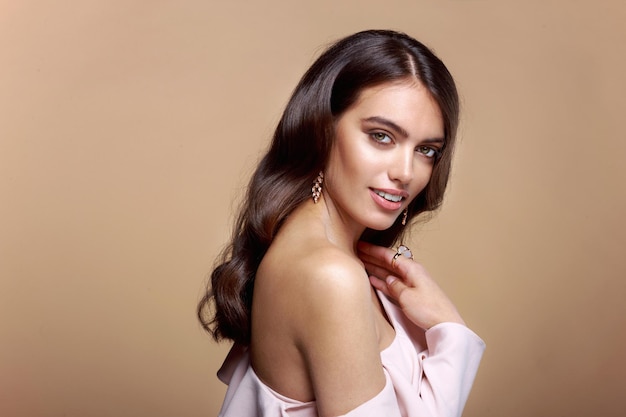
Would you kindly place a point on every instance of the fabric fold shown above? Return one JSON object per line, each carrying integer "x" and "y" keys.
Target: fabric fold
{"x": 427, "y": 373}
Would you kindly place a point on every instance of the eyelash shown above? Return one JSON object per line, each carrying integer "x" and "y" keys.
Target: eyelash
{"x": 379, "y": 136}
{"x": 430, "y": 152}
{"x": 427, "y": 151}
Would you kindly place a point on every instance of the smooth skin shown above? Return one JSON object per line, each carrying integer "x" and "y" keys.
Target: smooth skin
{"x": 408, "y": 284}
{"x": 318, "y": 326}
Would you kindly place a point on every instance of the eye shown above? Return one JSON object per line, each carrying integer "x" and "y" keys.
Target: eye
{"x": 427, "y": 151}
{"x": 381, "y": 137}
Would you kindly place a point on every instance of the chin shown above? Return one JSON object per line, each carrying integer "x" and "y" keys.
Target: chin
{"x": 380, "y": 226}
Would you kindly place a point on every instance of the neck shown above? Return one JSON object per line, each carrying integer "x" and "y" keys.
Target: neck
{"x": 340, "y": 230}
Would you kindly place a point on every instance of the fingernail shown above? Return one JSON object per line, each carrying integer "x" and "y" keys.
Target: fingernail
{"x": 390, "y": 279}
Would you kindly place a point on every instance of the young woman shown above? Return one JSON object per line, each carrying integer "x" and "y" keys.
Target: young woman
{"x": 326, "y": 320}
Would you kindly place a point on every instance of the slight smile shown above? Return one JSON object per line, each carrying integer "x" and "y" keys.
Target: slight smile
{"x": 389, "y": 195}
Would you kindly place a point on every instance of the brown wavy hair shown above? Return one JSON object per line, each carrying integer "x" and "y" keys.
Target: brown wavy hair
{"x": 299, "y": 150}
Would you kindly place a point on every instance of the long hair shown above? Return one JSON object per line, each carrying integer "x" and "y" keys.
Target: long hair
{"x": 299, "y": 150}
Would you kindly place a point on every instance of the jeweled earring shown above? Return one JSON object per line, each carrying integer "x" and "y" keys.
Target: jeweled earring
{"x": 316, "y": 191}
{"x": 404, "y": 216}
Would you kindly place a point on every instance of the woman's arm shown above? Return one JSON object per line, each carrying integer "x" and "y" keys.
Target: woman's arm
{"x": 450, "y": 362}
{"x": 338, "y": 337}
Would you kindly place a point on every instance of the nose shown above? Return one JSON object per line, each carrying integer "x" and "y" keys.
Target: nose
{"x": 401, "y": 169}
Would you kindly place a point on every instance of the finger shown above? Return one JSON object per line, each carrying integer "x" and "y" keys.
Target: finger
{"x": 379, "y": 284}
{"x": 384, "y": 257}
{"x": 380, "y": 257}
{"x": 374, "y": 252}
{"x": 372, "y": 260}
{"x": 366, "y": 246}
{"x": 377, "y": 270}
{"x": 400, "y": 272}
{"x": 395, "y": 286}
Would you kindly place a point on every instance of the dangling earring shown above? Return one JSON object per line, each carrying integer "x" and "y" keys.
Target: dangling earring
{"x": 402, "y": 249}
{"x": 316, "y": 191}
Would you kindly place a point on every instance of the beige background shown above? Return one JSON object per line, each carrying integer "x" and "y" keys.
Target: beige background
{"x": 127, "y": 130}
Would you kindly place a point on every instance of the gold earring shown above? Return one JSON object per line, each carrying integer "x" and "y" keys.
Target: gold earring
{"x": 316, "y": 191}
{"x": 404, "y": 216}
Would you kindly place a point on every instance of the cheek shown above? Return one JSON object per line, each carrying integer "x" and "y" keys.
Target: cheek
{"x": 422, "y": 177}
{"x": 352, "y": 158}
{"x": 339, "y": 171}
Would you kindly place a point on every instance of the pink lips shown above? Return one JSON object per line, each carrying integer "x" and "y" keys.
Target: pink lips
{"x": 386, "y": 204}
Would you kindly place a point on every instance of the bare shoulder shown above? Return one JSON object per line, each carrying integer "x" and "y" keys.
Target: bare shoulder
{"x": 338, "y": 337}
{"x": 311, "y": 279}
{"x": 328, "y": 284}
{"x": 319, "y": 296}
{"x": 329, "y": 272}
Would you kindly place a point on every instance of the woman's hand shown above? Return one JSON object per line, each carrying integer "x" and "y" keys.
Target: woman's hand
{"x": 409, "y": 285}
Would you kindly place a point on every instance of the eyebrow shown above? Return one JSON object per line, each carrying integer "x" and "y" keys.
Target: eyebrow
{"x": 386, "y": 122}
{"x": 395, "y": 127}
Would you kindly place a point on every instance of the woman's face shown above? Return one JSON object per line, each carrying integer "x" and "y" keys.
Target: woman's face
{"x": 383, "y": 153}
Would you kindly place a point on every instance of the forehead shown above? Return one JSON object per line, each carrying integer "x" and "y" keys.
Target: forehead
{"x": 408, "y": 103}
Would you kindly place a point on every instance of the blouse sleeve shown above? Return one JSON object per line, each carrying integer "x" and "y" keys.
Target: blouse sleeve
{"x": 435, "y": 380}
{"x": 427, "y": 374}
{"x": 449, "y": 367}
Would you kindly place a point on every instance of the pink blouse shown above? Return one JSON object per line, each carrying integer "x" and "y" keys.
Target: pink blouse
{"x": 428, "y": 373}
